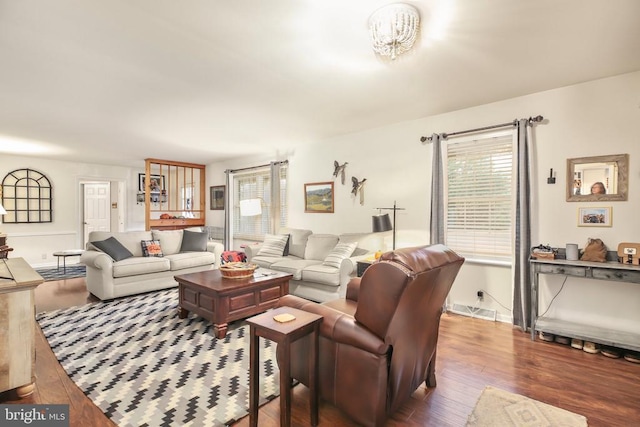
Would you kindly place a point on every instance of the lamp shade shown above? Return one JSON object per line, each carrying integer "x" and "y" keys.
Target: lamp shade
{"x": 381, "y": 222}
{"x": 250, "y": 207}
{"x": 2, "y": 210}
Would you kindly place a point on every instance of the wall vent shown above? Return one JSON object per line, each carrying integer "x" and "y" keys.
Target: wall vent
{"x": 475, "y": 312}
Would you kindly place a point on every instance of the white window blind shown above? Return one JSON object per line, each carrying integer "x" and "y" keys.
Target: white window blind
{"x": 479, "y": 196}
{"x": 257, "y": 185}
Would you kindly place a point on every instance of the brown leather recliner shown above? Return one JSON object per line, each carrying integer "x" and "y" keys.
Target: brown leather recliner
{"x": 379, "y": 343}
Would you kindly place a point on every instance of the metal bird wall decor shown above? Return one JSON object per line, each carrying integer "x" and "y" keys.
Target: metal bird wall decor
{"x": 358, "y": 187}
{"x": 339, "y": 169}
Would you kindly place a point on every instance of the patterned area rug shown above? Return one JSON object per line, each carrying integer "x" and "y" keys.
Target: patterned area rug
{"x": 142, "y": 365}
{"x": 497, "y": 407}
{"x": 71, "y": 272}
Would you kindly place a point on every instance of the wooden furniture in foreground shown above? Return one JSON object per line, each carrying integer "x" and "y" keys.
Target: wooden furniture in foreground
{"x": 221, "y": 300}
{"x": 4, "y": 248}
{"x": 265, "y": 325}
{"x": 613, "y": 271}
{"x": 17, "y": 326}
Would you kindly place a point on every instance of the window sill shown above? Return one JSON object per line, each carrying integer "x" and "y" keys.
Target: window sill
{"x": 489, "y": 262}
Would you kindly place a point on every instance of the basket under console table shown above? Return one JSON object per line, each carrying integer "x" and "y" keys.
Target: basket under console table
{"x": 613, "y": 271}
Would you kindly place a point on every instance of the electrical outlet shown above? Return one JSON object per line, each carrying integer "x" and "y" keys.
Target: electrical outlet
{"x": 480, "y": 295}
{"x": 44, "y": 256}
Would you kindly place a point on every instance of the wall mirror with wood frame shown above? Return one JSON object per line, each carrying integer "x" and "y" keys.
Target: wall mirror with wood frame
{"x": 598, "y": 178}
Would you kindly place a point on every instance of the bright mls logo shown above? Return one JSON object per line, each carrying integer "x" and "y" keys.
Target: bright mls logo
{"x": 34, "y": 415}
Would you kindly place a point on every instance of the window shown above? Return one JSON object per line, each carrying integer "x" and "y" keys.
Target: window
{"x": 257, "y": 185}
{"x": 27, "y": 197}
{"x": 479, "y": 195}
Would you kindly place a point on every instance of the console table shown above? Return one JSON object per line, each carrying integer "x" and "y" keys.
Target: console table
{"x": 613, "y": 271}
{"x": 17, "y": 326}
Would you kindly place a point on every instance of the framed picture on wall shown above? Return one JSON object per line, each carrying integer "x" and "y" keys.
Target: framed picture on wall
{"x": 217, "y": 197}
{"x": 594, "y": 217}
{"x": 318, "y": 197}
{"x": 156, "y": 185}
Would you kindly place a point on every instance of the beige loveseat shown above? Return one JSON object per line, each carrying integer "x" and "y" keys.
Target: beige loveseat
{"x": 315, "y": 276}
{"x": 108, "y": 278}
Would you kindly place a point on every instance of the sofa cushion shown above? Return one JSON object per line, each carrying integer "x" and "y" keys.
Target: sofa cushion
{"x": 273, "y": 245}
{"x": 129, "y": 239}
{"x": 319, "y": 246}
{"x": 339, "y": 253}
{"x": 170, "y": 240}
{"x": 194, "y": 241}
{"x": 151, "y": 248}
{"x": 113, "y": 248}
{"x": 266, "y": 261}
{"x": 190, "y": 259}
{"x": 294, "y": 266}
{"x": 321, "y": 273}
{"x": 297, "y": 240}
{"x": 139, "y": 265}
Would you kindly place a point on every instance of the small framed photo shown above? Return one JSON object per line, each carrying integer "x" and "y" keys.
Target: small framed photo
{"x": 318, "y": 197}
{"x": 156, "y": 184}
{"x": 217, "y": 197}
{"x": 594, "y": 217}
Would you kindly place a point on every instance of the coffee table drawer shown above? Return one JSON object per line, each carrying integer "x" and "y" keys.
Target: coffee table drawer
{"x": 254, "y": 298}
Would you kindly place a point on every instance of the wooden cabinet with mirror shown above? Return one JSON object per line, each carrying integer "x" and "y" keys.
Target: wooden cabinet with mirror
{"x": 599, "y": 178}
{"x": 174, "y": 194}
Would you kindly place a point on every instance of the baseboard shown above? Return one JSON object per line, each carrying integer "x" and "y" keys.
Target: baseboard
{"x": 475, "y": 312}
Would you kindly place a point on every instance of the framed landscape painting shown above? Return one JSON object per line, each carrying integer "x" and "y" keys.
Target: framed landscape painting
{"x": 217, "y": 197}
{"x": 318, "y": 197}
{"x": 594, "y": 217}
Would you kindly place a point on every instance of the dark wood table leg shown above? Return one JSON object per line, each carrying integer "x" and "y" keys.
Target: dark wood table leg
{"x": 313, "y": 375}
{"x": 220, "y": 329}
{"x": 285, "y": 384}
{"x": 254, "y": 375}
{"x": 182, "y": 313}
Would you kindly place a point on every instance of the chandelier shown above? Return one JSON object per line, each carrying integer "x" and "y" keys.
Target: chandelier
{"x": 394, "y": 29}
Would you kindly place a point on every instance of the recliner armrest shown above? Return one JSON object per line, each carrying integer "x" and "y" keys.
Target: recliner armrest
{"x": 353, "y": 289}
{"x": 337, "y": 326}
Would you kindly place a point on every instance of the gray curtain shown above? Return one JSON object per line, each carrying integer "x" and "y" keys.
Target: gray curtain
{"x": 228, "y": 203}
{"x": 437, "y": 191}
{"x": 522, "y": 245}
{"x": 274, "y": 224}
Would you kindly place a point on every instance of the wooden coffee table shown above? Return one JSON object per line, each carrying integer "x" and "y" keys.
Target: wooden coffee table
{"x": 221, "y": 300}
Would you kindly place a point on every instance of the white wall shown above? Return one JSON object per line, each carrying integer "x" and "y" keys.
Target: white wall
{"x": 594, "y": 118}
{"x": 36, "y": 242}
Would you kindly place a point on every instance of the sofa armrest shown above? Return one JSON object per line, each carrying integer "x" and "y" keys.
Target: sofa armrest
{"x": 217, "y": 249}
{"x": 251, "y": 250}
{"x": 338, "y": 326}
{"x": 98, "y": 260}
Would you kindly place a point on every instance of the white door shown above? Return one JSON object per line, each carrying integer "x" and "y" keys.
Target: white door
{"x": 97, "y": 212}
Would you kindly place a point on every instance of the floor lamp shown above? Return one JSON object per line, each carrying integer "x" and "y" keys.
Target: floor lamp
{"x": 381, "y": 221}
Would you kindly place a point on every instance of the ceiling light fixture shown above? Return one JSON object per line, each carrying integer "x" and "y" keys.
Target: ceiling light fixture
{"x": 394, "y": 29}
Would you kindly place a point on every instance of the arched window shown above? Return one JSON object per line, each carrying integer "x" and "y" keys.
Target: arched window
{"x": 26, "y": 196}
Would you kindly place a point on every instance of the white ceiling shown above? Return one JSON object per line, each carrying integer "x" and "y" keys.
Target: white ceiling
{"x": 118, "y": 81}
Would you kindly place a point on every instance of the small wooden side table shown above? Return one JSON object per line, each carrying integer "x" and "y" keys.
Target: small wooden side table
{"x": 64, "y": 254}
{"x": 264, "y": 325}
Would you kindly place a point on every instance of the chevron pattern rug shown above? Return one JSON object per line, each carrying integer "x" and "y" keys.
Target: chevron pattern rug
{"x": 71, "y": 272}
{"x": 144, "y": 366}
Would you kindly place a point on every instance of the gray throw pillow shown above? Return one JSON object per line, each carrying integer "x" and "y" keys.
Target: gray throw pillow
{"x": 194, "y": 241}
{"x": 113, "y": 248}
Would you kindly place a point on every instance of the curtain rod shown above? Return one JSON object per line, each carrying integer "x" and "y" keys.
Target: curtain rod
{"x": 424, "y": 139}
{"x": 283, "y": 162}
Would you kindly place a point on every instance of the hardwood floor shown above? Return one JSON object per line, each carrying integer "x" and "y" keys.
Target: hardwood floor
{"x": 472, "y": 354}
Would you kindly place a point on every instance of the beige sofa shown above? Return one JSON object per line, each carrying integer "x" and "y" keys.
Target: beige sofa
{"x": 313, "y": 279}
{"x": 136, "y": 274}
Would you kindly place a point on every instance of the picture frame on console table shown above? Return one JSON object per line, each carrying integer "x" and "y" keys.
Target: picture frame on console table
{"x": 595, "y": 217}
{"x": 217, "y": 197}
{"x": 318, "y": 197}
